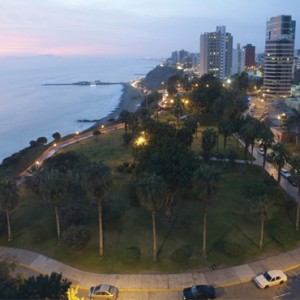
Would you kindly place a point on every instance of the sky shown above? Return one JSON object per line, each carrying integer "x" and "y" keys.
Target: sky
{"x": 132, "y": 28}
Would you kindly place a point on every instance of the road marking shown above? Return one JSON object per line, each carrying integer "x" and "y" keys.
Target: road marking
{"x": 281, "y": 295}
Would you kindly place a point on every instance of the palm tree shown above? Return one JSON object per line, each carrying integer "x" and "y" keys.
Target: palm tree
{"x": 204, "y": 182}
{"x": 295, "y": 163}
{"x": 226, "y": 127}
{"x": 125, "y": 117}
{"x": 8, "y": 201}
{"x": 150, "y": 192}
{"x": 267, "y": 137}
{"x": 99, "y": 180}
{"x": 260, "y": 196}
{"x": 50, "y": 185}
{"x": 209, "y": 141}
{"x": 279, "y": 157}
{"x": 249, "y": 133}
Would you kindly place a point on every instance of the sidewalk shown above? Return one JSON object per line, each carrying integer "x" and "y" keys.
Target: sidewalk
{"x": 155, "y": 282}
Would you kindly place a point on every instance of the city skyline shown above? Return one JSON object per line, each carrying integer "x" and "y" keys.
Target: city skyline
{"x": 136, "y": 28}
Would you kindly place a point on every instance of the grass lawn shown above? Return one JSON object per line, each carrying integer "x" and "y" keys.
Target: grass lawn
{"x": 232, "y": 233}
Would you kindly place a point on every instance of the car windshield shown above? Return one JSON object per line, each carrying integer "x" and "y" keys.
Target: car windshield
{"x": 267, "y": 276}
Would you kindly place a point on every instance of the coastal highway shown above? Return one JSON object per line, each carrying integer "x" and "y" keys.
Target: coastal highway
{"x": 58, "y": 145}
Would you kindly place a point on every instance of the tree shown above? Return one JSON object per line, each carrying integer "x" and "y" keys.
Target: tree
{"x": 295, "y": 163}
{"x": 125, "y": 118}
{"x": 226, "y": 127}
{"x": 267, "y": 137}
{"x": 204, "y": 183}
{"x": 50, "y": 185}
{"x": 168, "y": 157}
{"x": 279, "y": 157}
{"x": 96, "y": 133}
{"x": 56, "y": 136}
{"x": 42, "y": 140}
{"x": 249, "y": 133}
{"x": 9, "y": 198}
{"x": 263, "y": 204}
{"x": 8, "y": 284}
{"x": 44, "y": 287}
{"x": 99, "y": 180}
{"x": 209, "y": 141}
{"x": 150, "y": 192}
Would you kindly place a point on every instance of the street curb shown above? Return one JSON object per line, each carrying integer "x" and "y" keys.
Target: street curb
{"x": 156, "y": 290}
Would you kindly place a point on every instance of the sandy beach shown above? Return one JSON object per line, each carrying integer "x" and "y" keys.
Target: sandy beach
{"x": 130, "y": 100}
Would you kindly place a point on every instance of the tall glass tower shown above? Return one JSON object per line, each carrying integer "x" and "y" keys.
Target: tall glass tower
{"x": 279, "y": 53}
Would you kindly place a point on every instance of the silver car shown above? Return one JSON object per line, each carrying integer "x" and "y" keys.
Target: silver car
{"x": 103, "y": 291}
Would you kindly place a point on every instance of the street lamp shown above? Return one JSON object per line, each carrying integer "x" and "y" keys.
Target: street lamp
{"x": 76, "y": 135}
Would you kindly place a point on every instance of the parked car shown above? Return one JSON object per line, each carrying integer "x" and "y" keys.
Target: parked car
{"x": 199, "y": 292}
{"x": 103, "y": 291}
{"x": 285, "y": 173}
{"x": 261, "y": 151}
{"x": 270, "y": 278}
{"x": 292, "y": 180}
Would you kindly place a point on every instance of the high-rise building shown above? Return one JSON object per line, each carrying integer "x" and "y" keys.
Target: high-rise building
{"x": 216, "y": 53}
{"x": 238, "y": 60}
{"x": 249, "y": 55}
{"x": 279, "y": 53}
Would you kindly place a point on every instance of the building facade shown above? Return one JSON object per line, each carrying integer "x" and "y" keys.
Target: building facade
{"x": 249, "y": 56}
{"x": 279, "y": 53}
{"x": 238, "y": 60}
{"x": 216, "y": 53}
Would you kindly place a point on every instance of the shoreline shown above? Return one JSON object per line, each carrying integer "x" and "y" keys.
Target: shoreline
{"x": 131, "y": 100}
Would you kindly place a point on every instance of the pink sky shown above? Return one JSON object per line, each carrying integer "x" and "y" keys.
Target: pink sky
{"x": 131, "y": 27}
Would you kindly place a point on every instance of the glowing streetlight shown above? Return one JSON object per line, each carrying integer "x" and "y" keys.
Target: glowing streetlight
{"x": 141, "y": 140}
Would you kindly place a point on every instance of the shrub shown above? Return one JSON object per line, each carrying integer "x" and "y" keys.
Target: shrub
{"x": 181, "y": 254}
{"x": 73, "y": 215}
{"x": 76, "y": 237}
{"x": 126, "y": 168}
{"x": 131, "y": 254}
{"x": 233, "y": 249}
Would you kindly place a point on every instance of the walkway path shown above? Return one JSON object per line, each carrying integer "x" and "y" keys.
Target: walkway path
{"x": 155, "y": 282}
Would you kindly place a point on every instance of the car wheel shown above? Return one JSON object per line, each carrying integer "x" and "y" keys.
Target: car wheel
{"x": 266, "y": 286}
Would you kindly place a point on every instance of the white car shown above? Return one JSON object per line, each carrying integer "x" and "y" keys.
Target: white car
{"x": 103, "y": 291}
{"x": 285, "y": 173}
{"x": 261, "y": 151}
{"x": 270, "y": 278}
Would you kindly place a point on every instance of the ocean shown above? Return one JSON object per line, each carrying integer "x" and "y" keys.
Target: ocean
{"x": 29, "y": 109}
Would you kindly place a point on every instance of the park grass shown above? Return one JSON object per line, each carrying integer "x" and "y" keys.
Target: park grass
{"x": 230, "y": 221}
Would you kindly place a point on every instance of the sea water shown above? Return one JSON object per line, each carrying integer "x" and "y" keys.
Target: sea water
{"x": 30, "y": 109}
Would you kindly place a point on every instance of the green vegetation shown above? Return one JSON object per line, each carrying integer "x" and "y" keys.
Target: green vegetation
{"x": 202, "y": 212}
{"x": 230, "y": 221}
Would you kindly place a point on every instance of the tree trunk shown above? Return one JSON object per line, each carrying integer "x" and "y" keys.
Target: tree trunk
{"x": 204, "y": 231}
{"x": 168, "y": 204}
{"x": 100, "y": 229}
{"x": 279, "y": 174}
{"x": 261, "y": 233}
{"x": 8, "y": 226}
{"x": 154, "y": 237}
{"x": 225, "y": 141}
{"x": 57, "y": 222}
{"x": 298, "y": 209}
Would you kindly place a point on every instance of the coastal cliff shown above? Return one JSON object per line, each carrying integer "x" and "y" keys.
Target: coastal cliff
{"x": 155, "y": 78}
